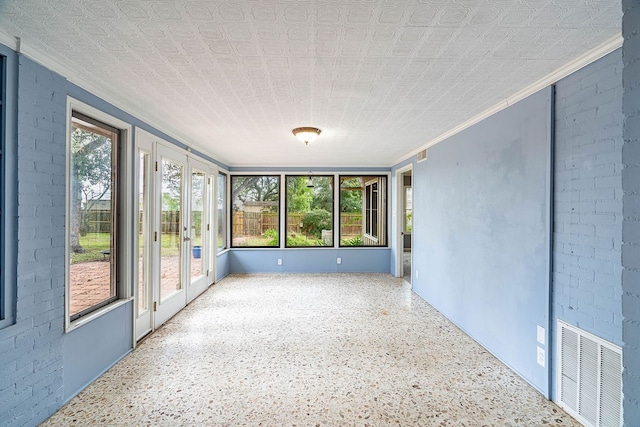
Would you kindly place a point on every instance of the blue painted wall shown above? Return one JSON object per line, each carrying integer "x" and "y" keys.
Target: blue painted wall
{"x": 587, "y": 238}
{"x": 586, "y": 288}
{"x": 482, "y": 231}
{"x": 309, "y": 260}
{"x": 631, "y": 221}
{"x": 31, "y": 351}
{"x": 93, "y": 348}
{"x": 222, "y": 265}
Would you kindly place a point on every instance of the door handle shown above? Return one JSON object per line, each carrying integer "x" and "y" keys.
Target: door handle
{"x": 186, "y": 238}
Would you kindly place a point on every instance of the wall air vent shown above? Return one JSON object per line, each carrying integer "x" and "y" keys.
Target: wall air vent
{"x": 589, "y": 377}
{"x": 422, "y": 155}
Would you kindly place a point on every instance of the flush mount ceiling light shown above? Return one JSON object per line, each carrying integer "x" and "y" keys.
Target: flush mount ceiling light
{"x": 306, "y": 134}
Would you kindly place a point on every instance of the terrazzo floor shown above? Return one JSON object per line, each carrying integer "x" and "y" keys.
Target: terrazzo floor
{"x": 331, "y": 350}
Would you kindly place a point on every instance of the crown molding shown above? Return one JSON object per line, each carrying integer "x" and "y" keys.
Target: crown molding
{"x": 552, "y": 78}
{"x": 10, "y": 41}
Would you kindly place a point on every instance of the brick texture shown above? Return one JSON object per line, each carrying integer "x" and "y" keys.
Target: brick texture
{"x": 31, "y": 369}
{"x": 631, "y": 221}
{"x": 587, "y": 236}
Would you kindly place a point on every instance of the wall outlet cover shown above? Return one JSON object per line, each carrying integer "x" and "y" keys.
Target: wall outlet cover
{"x": 339, "y": 260}
{"x": 279, "y": 261}
{"x": 540, "y": 357}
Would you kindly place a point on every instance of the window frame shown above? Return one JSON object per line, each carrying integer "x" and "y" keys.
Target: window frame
{"x": 222, "y": 215}
{"x": 278, "y": 204}
{"x": 4, "y": 300}
{"x": 382, "y": 208}
{"x": 332, "y": 177}
{"x": 123, "y": 211}
{"x": 9, "y": 190}
{"x": 371, "y": 209}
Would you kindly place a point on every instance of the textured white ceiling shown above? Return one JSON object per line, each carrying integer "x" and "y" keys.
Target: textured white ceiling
{"x": 380, "y": 78}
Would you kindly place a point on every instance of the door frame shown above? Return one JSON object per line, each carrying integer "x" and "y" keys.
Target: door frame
{"x": 399, "y": 220}
{"x": 157, "y": 149}
{"x": 142, "y": 327}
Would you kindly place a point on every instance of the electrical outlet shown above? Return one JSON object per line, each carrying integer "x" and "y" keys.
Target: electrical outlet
{"x": 279, "y": 261}
{"x": 540, "y": 335}
{"x": 541, "y": 356}
{"x": 417, "y": 274}
{"x": 339, "y": 260}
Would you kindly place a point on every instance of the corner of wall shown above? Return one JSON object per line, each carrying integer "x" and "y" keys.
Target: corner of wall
{"x": 631, "y": 224}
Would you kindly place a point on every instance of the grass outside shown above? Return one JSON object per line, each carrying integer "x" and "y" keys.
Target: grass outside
{"x": 95, "y": 243}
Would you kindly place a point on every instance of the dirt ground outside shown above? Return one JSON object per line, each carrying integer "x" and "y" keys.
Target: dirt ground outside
{"x": 90, "y": 282}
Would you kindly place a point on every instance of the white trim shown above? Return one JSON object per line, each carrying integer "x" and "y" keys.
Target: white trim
{"x": 398, "y": 215}
{"x": 143, "y": 146}
{"x": 552, "y": 78}
{"x": 94, "y": 113}
{"x": 10, "y": 41}
{"x": 89, "y": 317}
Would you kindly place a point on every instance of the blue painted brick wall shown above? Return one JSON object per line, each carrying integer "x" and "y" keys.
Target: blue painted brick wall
{"x": 587, "y": 233}
{"x": 631, "y": 222}
{"x": 31, "y": 388}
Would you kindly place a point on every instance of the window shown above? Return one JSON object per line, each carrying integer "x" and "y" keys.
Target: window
{"x": 222, "y": 209}
{"x": 363, "y": 206}
{"x": 5, "y": 299}
{"x": 92, "y": 230}
{"x": 255, "y": 220}
{"x": 309, "y": 211}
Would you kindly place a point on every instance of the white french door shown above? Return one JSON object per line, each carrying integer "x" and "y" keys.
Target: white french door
{"x": 171, "y": 233}
{"x": 200, "y": 229}
{"x": 174, "y": 231}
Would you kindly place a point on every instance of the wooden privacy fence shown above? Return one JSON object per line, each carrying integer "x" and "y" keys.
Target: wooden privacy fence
{"x": 256, "y": 223}
{"x": 350, "y": 224}
{"x": 244, "y": 223}
{"x": 99, "y": 221}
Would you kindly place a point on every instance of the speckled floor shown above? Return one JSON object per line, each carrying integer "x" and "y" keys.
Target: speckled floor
{"x": 335, "y": 349}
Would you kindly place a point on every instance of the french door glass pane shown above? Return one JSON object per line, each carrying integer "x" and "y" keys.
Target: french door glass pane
{"x": 198, "y": 223}
{"x": 143, "y": 228}
{"x": 170, "y": 229}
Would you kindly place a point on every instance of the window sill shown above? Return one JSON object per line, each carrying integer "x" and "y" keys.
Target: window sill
{"x": 89, "y": 317}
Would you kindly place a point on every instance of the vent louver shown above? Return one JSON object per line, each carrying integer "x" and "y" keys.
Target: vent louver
{"x": 589, "y": 377}
{"x": 422, "y": 155}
